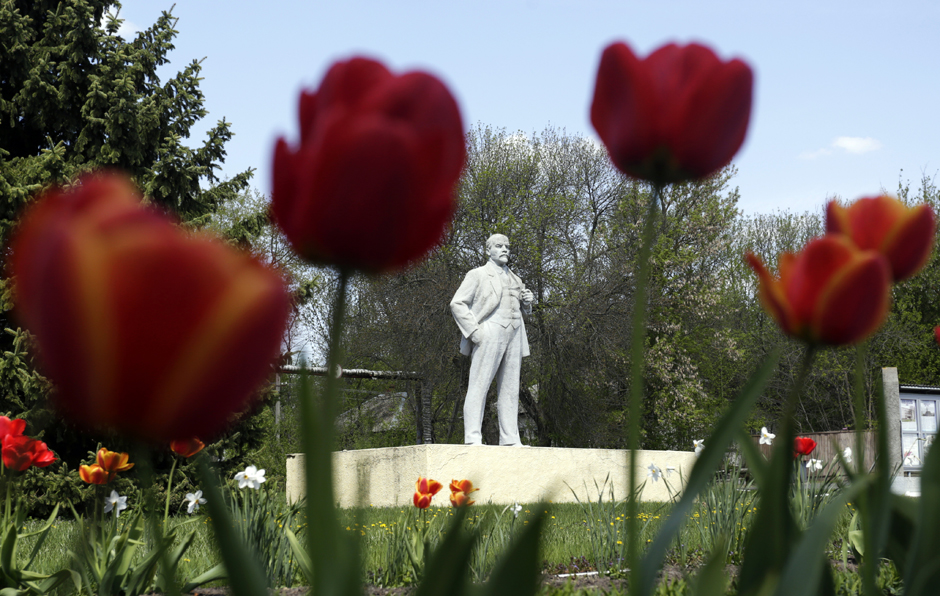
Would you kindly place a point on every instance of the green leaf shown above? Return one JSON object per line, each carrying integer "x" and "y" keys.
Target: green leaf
{"x": 712, "y": 579}
{"x": 244, "y": 572}
{"x": 703, "y": 472}
{"x": 300, "y": 555}
{"x": 448, "y": 570}
{"x": 805, "y": 568}
{"x": 517, "y": 573}
{"x": 216, "y": 573}
{"x": 774, "y": 531}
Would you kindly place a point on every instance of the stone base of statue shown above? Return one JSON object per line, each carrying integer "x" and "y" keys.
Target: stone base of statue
{"x": 386, "y": 477}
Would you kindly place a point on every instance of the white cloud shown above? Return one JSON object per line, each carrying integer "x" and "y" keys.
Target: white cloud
{"x": 854, "y": 145}
{"x": 857, "y": 144}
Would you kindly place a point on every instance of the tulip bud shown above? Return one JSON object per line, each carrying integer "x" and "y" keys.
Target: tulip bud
{"x": 829, "y": 293}
{"x": 187, "y": 447}
{"x": 143, "y": 327}
{"x": 904, "y": 235}
{"x": 371, "y": 184}
{"x": 679, "y": 114}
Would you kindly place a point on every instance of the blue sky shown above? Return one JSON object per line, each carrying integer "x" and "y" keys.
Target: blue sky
{"x": 846, "y": 93}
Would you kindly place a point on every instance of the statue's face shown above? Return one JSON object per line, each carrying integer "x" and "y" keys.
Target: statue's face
{"x": 499, "y": 251}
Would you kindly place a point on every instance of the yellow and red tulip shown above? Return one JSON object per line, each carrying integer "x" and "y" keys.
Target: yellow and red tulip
{"x": 460, "y": 493}
{"x": 460, "y": 499}
{"x": 425, "y": 489}
{"x": 904, "y": 235}
{"x": 831, "y": 292}
{"x": 113, "y": 462}
{"x": 93, "y": 474}
{"x": 143, "y": 327}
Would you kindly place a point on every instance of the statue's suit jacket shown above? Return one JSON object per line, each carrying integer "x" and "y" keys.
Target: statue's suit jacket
{"x": 477, "y": 298}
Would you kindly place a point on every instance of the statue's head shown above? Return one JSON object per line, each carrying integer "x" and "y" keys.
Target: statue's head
{"x": 497, "y": 247}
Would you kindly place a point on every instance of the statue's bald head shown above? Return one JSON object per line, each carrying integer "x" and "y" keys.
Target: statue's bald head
{"x": 494, "y": 239}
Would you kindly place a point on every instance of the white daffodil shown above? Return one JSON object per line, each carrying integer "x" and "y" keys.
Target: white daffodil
{"x": 847, "y": 455}
{"x": 194, "y": 500}
{"x": 516, "y": 508}
{"x": 766, "y": 438}
{"x": 115, "y": 502}
{"x": 698, "y": 445}
{"x": 251, "y": 477}
{"x": 654, "y": 472}
{"x": 814, "y": 464}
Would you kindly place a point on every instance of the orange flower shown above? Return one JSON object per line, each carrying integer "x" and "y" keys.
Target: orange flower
{"x": 462, "y": 486}
{"x": 93, "y": 474}
{"x": 904, "y": 235}
{"x": 460, "y": 493}
{"x": 425, "y": 489}
{"x": 678, "y": 114}
{"x": 144, "y": 328}
{"x": 113, "y": 462}
{"x": 187, "y": 447}
{"x": 830, "y": 293}
{"x": 460, "y": 499}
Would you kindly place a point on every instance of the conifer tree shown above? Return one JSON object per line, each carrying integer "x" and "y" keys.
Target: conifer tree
{"x": 76, "y": 96}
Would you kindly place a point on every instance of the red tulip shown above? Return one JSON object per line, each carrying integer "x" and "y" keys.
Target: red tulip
{"x": 679, "y": 114}
{"x": 904, "y": 235}
{"x": 93, "y": 474}
{"x": 371, "y": 184}
{"x": 936, "y": 334}
{"x": 20, "y": 452}
{"x": 803, "y": 446}
{"x": 143, "y": 327}
{"x": 187, "y": 447}
{"x": 9, "y": 427}
{"x": 831, "y": 292}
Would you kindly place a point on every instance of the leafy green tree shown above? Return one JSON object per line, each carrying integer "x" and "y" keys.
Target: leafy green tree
{"x": 74, "y": 96}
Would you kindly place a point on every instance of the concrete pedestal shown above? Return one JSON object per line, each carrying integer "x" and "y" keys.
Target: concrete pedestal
{"x": 386, "y": 477}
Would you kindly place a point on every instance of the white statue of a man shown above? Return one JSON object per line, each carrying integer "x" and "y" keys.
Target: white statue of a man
{"x": 488, "y": 308}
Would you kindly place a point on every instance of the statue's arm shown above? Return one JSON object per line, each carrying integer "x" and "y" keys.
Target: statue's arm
{"x": 461, "y": 305}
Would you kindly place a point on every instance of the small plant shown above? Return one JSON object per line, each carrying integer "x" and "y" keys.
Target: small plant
{"x": 725, "y": 509}
{"x": 262, "y": 520}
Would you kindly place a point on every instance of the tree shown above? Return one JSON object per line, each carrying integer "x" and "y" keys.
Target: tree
{"x": 74, "y": 96}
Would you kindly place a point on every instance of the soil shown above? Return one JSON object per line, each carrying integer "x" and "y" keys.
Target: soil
{"x": 602, "y": 584}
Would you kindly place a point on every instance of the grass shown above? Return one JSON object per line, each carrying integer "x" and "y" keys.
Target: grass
{"x": 572, "y": 541}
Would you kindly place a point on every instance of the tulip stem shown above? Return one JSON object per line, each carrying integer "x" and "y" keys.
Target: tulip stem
{"x": 638, "y": 344}
{"x": 869, "y": 563}
{"x": 335, "y": 570}
{"x": 169, "y": 489}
